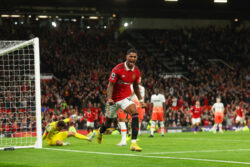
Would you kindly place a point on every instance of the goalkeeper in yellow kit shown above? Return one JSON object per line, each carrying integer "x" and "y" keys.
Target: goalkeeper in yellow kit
{"x": 54, "y": 135}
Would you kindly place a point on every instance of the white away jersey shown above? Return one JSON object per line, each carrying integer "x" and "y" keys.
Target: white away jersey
{"x": 218, "y": 107}
{"x": 157, "y": 100}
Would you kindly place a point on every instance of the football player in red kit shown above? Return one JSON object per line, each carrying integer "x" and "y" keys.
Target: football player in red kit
{"x": 196, "y": 112}
{"x": 118, "y": 96}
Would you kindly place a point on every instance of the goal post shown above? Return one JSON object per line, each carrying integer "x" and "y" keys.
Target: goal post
{"x": 20, "y": 95}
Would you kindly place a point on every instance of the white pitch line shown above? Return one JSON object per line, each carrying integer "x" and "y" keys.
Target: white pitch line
{"x": 146, "y": 156}
{"x": 198, "y": 151}
{"x": 211, "y": 140}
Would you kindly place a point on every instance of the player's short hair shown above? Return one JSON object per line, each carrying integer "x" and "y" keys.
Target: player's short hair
{"x": 61, "y": 124}
{"x": 218, "y": 97}
{"x": 132, "y": 50}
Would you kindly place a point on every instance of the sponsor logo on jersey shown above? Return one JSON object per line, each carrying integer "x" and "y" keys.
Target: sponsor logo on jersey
{"x": 121, "y": 82}
{"x": 133, "y": 76}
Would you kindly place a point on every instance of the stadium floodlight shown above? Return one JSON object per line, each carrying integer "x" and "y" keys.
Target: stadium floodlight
{"x": 220, "y": 1}
{"x": 171, "y": 0}
{"x": 125, "y": 24}
{"x": 93, "y": 17}
{"x": 20, "y": 94}
{"x": 53, "y": 24}
{"x": 5, "y": 15}
{"x": 14, "y": 16}
{"x": 43, "y": 17}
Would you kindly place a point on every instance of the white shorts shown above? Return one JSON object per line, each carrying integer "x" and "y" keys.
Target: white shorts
{"x": 111, "y": 110}
{"x": 240, "y": 119}
{"x": 196, "y": 120}
{"x": 90, "y": 124}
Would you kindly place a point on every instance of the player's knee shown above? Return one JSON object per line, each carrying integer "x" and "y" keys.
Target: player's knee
{"x": 132, "y": 110}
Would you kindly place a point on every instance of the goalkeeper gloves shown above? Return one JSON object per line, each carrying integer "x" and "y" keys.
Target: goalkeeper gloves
{"x": 73, "y": 117}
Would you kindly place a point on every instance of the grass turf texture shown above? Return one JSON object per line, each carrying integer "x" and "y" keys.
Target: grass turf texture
{"x": 225, "y": 147}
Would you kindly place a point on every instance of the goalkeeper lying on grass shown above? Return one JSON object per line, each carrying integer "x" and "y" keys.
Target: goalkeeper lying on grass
{"x": 54, "y": 135}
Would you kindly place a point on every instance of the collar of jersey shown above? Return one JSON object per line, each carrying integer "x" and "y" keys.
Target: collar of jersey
{"x": 126, "y": 67}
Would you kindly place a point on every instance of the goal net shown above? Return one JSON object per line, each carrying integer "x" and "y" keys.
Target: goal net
{"x": 20, "y": 98}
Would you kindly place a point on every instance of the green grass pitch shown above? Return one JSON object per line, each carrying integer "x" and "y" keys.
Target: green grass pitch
{"x": 229, "y": 149}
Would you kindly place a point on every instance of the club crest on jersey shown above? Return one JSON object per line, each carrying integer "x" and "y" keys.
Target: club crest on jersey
{"x": 133, "y": 76}
{"x": 123, "y": 76}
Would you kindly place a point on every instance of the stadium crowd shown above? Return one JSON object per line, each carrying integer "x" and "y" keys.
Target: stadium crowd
{"x": 81, "y": 61}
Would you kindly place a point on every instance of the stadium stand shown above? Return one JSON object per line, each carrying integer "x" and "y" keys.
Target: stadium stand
{"x": 80, "y": 61}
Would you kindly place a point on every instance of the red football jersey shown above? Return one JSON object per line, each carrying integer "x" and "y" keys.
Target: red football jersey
{"x": 90, "y": 116}
{"x": 6, "y": 127}
{"x": 206, "y": 122}
{"x": 197, "y": 111}
{"x": 95, "y": 111}
{"x": 123, "y": 77}
{"x": 102, "y": 119}
{"x": 240, "y": 112}
{"x": 15, "y": 128}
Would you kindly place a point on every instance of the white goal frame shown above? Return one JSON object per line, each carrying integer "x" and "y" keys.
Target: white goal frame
{"x": 35, "y": 43}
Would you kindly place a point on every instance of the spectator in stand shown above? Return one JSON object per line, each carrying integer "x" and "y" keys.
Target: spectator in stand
{"x": 80, "y": 61}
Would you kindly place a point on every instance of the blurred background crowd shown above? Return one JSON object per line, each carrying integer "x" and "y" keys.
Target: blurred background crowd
{"x": 81, "y": 61}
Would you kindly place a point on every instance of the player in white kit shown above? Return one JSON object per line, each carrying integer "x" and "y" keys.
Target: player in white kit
{"x": 158, "y": 101}
{"x": 218, "y": 110}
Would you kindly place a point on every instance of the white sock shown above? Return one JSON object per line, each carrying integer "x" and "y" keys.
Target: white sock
{"x": 162, "y": 128}
{"x": 220, "y": 127}
{"x": 123, "y": 132}
{"x": 152, "y": 127}
{"x": 133, "y": 141}
{"x": 215, "y": 128}
{"x": 139, "y": 132}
